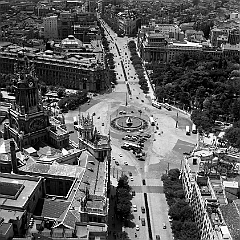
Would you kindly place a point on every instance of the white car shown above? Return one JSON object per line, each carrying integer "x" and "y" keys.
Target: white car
{"x": 120, "y": 155}
{"x": 113, "y": 158}
{"x": 137, "y": 228}
{"x": 131, "y": 178}
{"x": 126, "y": 163}
{"x": 134, "y": 208}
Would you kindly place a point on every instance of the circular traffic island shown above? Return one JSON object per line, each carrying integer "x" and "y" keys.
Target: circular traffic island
{"x": 129, "y": 123}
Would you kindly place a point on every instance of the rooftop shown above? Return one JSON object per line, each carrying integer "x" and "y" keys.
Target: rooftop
{"x": 63, "y": 170}
{"x": 15, "y": 189}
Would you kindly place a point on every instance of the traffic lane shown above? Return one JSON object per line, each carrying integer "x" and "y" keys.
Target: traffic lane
{"x": 143, "y": 230}
{"x": 159, "y": 216}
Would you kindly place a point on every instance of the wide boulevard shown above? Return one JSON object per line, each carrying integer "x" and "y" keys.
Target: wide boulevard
{"x": 164, "y": 149}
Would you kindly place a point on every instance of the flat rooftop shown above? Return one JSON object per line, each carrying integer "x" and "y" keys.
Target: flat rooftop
{"x": 15, "y": 189}
{"x": 63, "y": 170}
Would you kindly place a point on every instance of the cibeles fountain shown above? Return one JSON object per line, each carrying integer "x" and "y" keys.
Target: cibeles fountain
{"x": 129, "y": 122}
{"x": 127, "y": 119}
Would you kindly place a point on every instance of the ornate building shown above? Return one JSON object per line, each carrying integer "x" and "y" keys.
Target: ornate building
{"x": 98, "y": 145}
{"x": 89, "y": 138}
{"x": 28, "y": 121}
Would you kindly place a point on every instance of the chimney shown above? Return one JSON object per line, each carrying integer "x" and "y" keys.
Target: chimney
{"x": 13, "y": 157}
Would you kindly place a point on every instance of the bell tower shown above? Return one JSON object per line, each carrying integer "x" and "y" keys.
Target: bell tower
{"x": 26, "y": 88}
{"x": 28, "y": 121}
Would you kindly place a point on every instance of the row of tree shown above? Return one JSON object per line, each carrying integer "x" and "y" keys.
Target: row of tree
{"x": 183, "y": 225}
{"x": 124, "y": 197}
{"x": 138, "y": 65}
{"x": 109, "y": 62}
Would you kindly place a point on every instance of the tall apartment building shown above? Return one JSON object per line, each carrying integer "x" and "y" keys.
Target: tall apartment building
{"x": 65, "y": 24}
{"x": 50, "y": 27}
{"x": 205, "y": 194}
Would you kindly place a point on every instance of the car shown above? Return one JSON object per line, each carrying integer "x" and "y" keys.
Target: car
{"x": 113, "y": 158}
{"x": 142, "y": 100}
{"x": 157, "y": 237}
{"x": 134, "y": 208}
{"x": 137, "y": 228}
{"x": 130, "y": 174}
{"x": 125, "y": 163}
{"x": 120, "y": 155}
{"x": 117, "y": 163}
{"x": 143, "y": 221}
{"x": 102, "y": 124}
{"x": 133, "y": 193}
{"x": 147, "y": 136}
{"x": 164, "y": 226}
{"x": 131, "y": 178}
{"x": 136, "y": 97}
{"x": 142, "y": 209}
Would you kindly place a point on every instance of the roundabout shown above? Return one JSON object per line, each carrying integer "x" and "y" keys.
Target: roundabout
{"x": 129, "y": 123}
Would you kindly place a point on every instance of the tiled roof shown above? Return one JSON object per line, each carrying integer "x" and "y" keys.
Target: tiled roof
{"x": 53, "y": 209}
{"x": 70, "y": 220}
{"x": 63, "y": 170}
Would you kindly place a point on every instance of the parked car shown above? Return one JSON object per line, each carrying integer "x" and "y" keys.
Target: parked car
{"x": 143, "y": 221}
{"x": 164, "y": 226}
{"x": 137, "y": 228}
{"x": 117, "y": 163}
{"x": 134, "y": 208}
{"x": 142, "y": 209}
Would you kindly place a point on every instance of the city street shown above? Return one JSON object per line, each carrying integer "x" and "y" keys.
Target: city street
{"x": 164, "y": 150}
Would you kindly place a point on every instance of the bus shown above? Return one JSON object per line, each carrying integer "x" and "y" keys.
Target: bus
{"x": 168, "y": 107}
{"x": 187, "y": 130}
{"x": 152, "y": 122}
{"x": 156, "y": 104}
{"x": 132, "y": 146}
{"x": 194, "y": 129}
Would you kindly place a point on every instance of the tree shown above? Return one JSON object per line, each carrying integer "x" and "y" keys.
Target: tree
{"x": 201, "y": 120}
{"x": 232, "y": 135}
{"x": 61, "y": 92}
{"x": 43, "y": 89}
{"x": 123, "y": 183}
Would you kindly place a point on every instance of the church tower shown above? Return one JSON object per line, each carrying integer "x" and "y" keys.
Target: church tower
{"x": 27, "y": 120}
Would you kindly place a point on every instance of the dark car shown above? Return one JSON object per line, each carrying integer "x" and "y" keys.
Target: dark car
{"x": 157, "y": 237}
{"x": 142, "y": 209}
{"x": 133, "y": 193}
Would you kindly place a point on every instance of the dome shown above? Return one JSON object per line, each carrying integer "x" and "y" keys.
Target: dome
{"x": 71, "y": 42}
